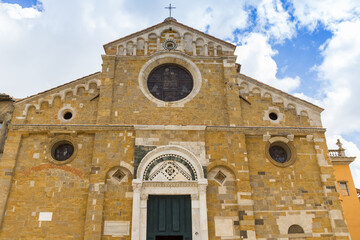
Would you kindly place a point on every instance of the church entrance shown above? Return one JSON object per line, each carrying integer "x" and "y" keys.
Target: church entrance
{"x": 169, "y": 217}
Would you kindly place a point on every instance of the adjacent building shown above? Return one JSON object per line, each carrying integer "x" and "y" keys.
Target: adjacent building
{"x": 348, "y": 193}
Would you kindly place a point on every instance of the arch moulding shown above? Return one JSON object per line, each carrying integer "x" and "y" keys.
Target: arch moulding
{"x": 195, "y": 188}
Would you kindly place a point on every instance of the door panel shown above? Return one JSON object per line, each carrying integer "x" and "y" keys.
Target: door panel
{"x": 169, "y": 217}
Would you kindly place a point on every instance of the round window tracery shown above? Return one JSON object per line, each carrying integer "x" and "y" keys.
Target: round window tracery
{"x": 278, "y": 153}
{"x": 170, "y": 82}
{"x": 170, "y": 44}
{"x": 62, "y": 151}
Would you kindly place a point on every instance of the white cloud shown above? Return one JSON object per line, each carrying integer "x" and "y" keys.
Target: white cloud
{"x": 274, "y": 21}
{"x": 255, "y": 55}
{"x": 340, "y": 71}
{"x": 221, "y": 19}
{"x": 309, "y": 99}
{"x": 328, "y": 12}
{"x": 41, "y": 50}
{"x": 15, "y": 11}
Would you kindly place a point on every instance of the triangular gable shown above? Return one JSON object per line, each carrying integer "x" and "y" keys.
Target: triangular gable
{"x": 169, "y": 23}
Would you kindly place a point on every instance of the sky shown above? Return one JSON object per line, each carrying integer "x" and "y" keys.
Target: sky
{"x": 308, "y": 48}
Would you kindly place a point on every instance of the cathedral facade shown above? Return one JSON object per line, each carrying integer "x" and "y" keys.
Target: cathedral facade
{"x": 168, "y": 141}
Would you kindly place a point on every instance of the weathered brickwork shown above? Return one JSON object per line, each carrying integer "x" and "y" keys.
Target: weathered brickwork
{"x": 6, "y": 109}
{"x": 220, "y": 135}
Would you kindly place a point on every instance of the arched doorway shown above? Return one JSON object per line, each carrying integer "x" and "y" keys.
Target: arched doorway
{"x": 170, "y": 190}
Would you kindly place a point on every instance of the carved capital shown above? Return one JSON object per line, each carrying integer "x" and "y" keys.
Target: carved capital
{"x": 144, "y": 196}
{"x": 137, "y": 184}
{"x": 194, "y": 196}
{"x": 202, "y": 189}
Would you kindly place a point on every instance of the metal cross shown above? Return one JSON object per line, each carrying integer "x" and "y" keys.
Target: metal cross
{"x": 170, "y": 7}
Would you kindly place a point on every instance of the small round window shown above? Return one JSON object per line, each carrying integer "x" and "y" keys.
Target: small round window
{"x": 68, "y": 115}
{"x": 62, "y": 151}
{"x": 170, "y": 44}
{"x": 273, "y": 116}
{"x": 170, "y": 82}
{"x": 280, "y": 153}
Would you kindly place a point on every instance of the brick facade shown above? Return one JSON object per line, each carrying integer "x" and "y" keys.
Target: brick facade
{"x": 222, "y": 130}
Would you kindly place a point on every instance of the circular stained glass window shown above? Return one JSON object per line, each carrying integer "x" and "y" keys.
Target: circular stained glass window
{"x": 278, "y": 153}
{"x": 62, "y": 151}
{"x": 170, "y": 82}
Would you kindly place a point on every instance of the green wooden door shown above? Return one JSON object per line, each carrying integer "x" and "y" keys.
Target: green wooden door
{"x": 169, "y": 217}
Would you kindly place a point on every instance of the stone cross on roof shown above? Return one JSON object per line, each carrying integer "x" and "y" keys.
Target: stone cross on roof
{"x": 170, "y": 7}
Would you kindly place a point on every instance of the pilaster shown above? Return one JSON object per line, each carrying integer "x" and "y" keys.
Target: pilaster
{"x": 232, "y": 91}
{"x": 106, "y": 90}
{"x": 328, "y": 182}
{"x": 7, "y": 167}
{"x": 135, "y": 226}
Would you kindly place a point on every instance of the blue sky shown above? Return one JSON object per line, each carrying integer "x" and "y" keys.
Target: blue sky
{"x": 298, "y": 55}
{"x": 308, "y": 48}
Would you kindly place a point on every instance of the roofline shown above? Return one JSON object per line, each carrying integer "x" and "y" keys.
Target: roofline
{"x": 282, "y": 92}
{"x": 5, "y": 97}
{"x": 164, "y": 22}
{"x": 51, "y": 89}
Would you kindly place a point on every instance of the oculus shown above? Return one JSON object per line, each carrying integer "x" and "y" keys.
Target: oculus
{"x": 280, "y": 152}
{"x": 67, "y": 115}
{"x": 170, "y": 44}
{"x": 170, "y": 82}
{"x": 62, "y": 151}
{"x": 273, "y": 116}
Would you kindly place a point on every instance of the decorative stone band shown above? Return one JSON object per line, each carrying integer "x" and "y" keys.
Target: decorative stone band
{"x": 97, "y": 127}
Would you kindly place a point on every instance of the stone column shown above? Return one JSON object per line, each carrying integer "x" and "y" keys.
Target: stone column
{"x": 181, "y": 43}
{"x": 215, "y": 50}
{"x": 194, "y": 48}
{"x": 203, "y": 209}
{"x": 206, "y": 50}
{"x": 146, "y": 47}
{"x": 158, "y": 43}
{"x": 143, "y": 215}
{"x": 135, "y": 225}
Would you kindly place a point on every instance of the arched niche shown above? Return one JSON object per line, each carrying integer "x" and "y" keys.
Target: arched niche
{"x": 200, "y": 46}
{"x": 211, "y": 49}
{"x": 129, "y": 48}
{"x": 121, "y": 50}
{"x": 170, "y": 170}
{"x": 140, "y": 46}
{"x": 188, "y": 38}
